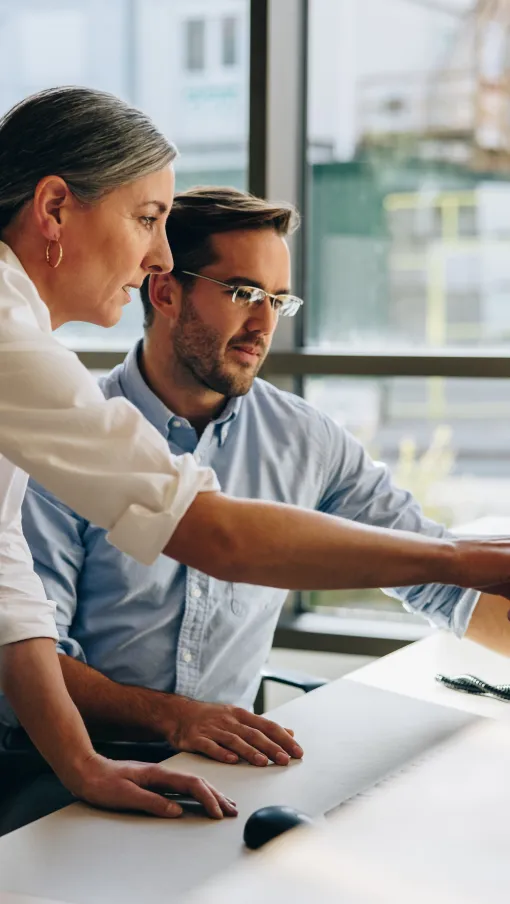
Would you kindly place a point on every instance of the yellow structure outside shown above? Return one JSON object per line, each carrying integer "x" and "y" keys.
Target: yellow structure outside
{"x": 434, "y": 263}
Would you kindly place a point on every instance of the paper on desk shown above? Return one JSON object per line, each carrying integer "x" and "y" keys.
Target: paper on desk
{"x": 442, "y": 823}
{"x": 435, "y": 832}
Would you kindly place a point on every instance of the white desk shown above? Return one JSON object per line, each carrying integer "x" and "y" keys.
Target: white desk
{"x": 435, "y": 832}
{"x": 411, "y": 670}
{"x": 22, "y": 899}
{"x": 353, "y": 737}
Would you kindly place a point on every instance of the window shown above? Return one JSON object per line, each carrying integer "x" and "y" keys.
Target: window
{"x": 195, "y": 45}
{"x": 229, "y": 41}
{"x": 134, "y": 48}
{"x": 408, "y": 241}
{"x": 444, "y": 440}
{"x": 410, "y": 176}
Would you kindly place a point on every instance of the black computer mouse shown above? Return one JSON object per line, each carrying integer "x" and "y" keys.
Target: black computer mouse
{"x": 268, "y": 822}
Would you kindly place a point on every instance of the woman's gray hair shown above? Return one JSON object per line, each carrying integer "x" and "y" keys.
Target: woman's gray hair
{"x": 92, "y": 139}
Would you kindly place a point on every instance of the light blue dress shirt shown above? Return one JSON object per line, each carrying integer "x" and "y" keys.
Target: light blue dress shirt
{"x": 175, "y": 629}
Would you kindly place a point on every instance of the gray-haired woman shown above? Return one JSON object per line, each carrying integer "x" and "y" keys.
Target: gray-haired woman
{"x": 85, "y": 188}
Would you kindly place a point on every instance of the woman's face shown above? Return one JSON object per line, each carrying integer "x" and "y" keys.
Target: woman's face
{"x": 108, "y": 247}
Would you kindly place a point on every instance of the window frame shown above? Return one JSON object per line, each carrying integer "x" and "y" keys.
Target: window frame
{"x": 278, "y": 168}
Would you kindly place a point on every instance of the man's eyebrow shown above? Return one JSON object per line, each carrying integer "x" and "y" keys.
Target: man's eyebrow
{"x": 248, "y": 281}
{"x": 162, "y": 208}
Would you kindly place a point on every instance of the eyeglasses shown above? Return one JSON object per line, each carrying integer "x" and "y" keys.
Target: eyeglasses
{"x": 248, "y": 296}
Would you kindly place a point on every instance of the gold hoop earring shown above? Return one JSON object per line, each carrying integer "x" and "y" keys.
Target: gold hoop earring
{"x": 60, "y": 253}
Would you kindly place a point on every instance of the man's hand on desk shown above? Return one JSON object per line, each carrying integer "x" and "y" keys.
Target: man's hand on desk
{"x": 227, "y": 733}
{"x": 222, "y": 732}
{"x": 125, "y": 786}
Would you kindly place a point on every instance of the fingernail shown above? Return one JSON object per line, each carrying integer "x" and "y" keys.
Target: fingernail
{"x": 173, "y": 810}
{"x": 297, "y": 750}
{"x": 231, "y": 758}
{"x": 282, "y": 759}
{"x": 260, "y": 760}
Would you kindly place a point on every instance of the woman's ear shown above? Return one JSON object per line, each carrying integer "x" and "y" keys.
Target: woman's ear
{"x": 52, "y": 197}
{"x": 165, "y": 294}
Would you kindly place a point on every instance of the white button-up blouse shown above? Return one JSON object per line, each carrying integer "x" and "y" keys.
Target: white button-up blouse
{"x": 101, "y": 457}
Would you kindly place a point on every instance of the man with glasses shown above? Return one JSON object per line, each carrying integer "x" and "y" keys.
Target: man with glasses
{"x": 166, "y": 653}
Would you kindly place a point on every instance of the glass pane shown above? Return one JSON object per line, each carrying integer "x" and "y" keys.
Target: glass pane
{"x": 195, "y": 44}
{"x": 165, "y": 56}
{"x": 409, "y": 153}
{"x": 229, "y": 41}
{"x": 445, "y": 440}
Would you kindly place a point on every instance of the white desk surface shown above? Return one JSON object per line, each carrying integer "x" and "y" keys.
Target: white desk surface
{"x": 6, "y": 898}
{"x": 436, "y": 831}
{"x": 411, "y": 670}
{"x": 353, "y": 736}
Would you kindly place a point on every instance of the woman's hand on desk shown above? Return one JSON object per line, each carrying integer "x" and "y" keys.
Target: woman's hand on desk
{"x": 126, "y": 785}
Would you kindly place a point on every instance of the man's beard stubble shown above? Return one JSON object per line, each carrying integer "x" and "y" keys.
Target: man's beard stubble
{"x": 198, "y": 349}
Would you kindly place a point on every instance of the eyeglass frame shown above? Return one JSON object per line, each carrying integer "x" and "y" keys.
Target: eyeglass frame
{"x": 235, "y": 289}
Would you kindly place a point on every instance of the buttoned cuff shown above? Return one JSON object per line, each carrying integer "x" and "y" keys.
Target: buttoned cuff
{"x": 462, "y": 612}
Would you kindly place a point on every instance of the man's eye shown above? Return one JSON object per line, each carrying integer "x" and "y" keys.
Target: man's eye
{"x": 244, "y": 294}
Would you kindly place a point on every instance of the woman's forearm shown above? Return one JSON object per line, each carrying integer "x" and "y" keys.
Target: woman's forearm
{"x": 284, "y": 546}
{"x": 33, "y": 683}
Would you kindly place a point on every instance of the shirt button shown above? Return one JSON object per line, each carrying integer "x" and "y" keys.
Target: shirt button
{"x": 196, "y": 592}
{"x": 177, "y": 424}
{"x": 187, "y": 656}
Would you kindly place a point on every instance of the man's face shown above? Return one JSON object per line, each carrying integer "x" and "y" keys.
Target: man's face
{"x": 221, "y": 344}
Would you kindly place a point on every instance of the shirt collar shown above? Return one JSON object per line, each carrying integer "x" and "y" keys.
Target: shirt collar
{"x": 7, "y": 255}
{"x": 226, "y": 418}
{"x": 39, "y": 308}
{"x": 139, "y": 393}
{"x": 136, "y": 390}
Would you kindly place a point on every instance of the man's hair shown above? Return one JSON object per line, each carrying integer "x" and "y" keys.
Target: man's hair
{"x": 202, "y": 212}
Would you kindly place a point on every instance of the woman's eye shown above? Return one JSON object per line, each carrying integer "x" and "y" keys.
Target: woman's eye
{"x": 148, "y": 222}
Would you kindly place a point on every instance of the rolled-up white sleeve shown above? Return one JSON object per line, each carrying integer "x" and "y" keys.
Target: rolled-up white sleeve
{"x": 24, "y": 610}
{"x": 101, "y": 457}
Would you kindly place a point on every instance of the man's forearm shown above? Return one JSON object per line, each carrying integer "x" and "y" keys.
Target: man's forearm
{"x": 277, "y": 545}
{"x": 221, "y": 731}
{"x": 32, "y": 682}
{"x": 114, "y": 711}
